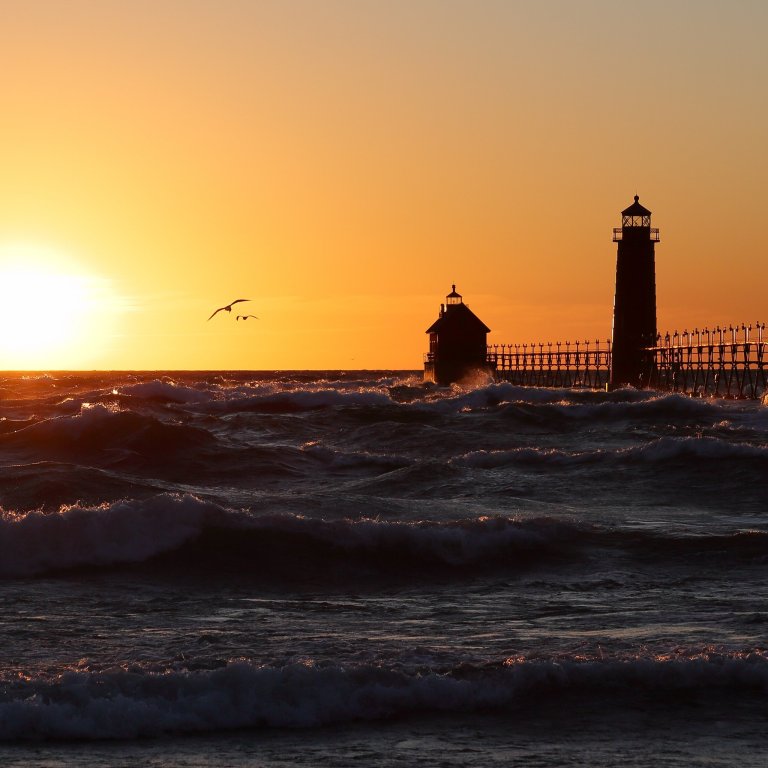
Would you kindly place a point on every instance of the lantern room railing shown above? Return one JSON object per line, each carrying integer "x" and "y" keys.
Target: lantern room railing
{"x": 618, "y": 233}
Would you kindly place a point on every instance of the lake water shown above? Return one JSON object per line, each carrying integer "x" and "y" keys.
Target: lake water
{"x": 273, "y": 569}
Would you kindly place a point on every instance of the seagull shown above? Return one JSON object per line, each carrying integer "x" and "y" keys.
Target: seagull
{"x": 245, "y": 317}
{"x": 228, "y": 308}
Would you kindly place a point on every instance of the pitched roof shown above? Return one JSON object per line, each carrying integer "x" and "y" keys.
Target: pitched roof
{"x": 457, "y": 315}
{"x": 636, "y": 209}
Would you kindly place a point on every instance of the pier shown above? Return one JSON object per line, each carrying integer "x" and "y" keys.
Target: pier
{"x": 714, "y": 362}
{"x": 559, "y": 364}
{"x": 723, "y": 362}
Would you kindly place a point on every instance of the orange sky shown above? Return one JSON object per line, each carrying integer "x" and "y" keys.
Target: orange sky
{"x": 341, "y": 163}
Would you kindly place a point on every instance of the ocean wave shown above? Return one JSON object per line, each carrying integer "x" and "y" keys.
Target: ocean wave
{"x": 342, "y": 459}
{"x": 563, "y": 406}
{"x": 185, "y": 533}
{"x": 168, "y": 391}
{"x": 283, "y": 396}
{"x": 127, "y": 531}
{"x": 46, "y": 485}
{"x": 651, "y": 406}
{"x": 300, "y": 400}
{"x": 493, "y": 394}
{"x": 566, "y": 407}
{"x": 132, "y": 704}
{"x": 289, "y": 396}
{"x": 662, "y": 450}
{"x": 132, "y": 531}
{"x": 103, "y": 427}
{"x": 13, "y": 425}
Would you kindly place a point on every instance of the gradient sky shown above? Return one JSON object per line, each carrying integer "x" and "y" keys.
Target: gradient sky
{"x": 342, "y": 162}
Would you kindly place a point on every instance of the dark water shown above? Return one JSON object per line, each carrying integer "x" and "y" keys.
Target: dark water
{"x": 299, "y": 569}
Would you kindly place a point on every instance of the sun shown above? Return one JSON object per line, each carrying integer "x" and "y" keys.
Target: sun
{"x": 53, "y": 314}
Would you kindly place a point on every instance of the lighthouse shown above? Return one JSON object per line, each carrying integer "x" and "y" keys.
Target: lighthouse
{"x": 457, "y": 343}
{"x": 634, "y": 304}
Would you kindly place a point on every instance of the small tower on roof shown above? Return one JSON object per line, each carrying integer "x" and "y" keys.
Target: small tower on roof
{"x": 634, "y": 304}
{"x": 457, "y": 343}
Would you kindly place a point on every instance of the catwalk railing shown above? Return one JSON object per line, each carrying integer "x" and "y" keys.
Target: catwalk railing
{"x": 559, "y": 364}
{"x": 719, "y": 362}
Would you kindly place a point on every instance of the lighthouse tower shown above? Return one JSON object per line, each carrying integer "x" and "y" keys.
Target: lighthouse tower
{"x": 457, "y": 343}
{"x": 634, "y": 304}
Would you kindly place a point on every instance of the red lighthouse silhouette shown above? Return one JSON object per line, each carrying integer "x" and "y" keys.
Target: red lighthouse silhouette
{"x": 457, "y": 343}
{"x": 634, "y": 306}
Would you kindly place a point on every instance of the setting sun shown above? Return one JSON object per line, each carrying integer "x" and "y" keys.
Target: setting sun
{"x": 51, "y": 312}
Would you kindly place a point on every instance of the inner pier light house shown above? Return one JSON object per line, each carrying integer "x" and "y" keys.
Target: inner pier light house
{"x": 457, "y": 343}
{"x": 634, "y": 304}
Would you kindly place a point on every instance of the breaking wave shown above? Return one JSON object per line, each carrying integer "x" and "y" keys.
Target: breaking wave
{"x": 75, "y": 536}
{"x": 99, "y": 427}
{"x": 130, "y": 704}
{"x": 136, "y": 531}
{"x": 188, "y": 533}
{"x": 263, "y": 396}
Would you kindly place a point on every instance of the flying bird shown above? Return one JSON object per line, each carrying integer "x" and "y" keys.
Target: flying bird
{"x": 228, "y": 308}
{"x": 245, "y": 317}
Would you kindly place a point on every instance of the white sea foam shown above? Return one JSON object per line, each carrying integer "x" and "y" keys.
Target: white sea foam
{"x": 167, "y": 390}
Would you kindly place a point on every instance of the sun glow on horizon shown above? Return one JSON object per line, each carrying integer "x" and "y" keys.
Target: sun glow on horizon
{"x": 52, "y": 313}
{"x": 342, "y": 164}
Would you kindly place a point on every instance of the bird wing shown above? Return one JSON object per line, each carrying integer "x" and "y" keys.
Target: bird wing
{"x": 238, "y": 300}
{"x": 216, "y": 312}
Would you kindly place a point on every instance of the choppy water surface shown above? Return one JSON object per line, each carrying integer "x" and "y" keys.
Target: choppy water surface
{"x": 271, "y": 569}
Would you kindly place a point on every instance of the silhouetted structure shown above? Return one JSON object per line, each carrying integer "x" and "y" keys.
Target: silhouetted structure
{"x": 718, "y": 362}
{"x": 724, "y": 361}
{"x": 562, "y": 364}
{"x": 634, "y": 304}
{"x": 457, "y": 343}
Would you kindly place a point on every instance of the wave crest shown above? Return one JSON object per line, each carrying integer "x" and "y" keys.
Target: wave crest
{"x": 188, "y": 534}
{"x": 661, "y": 450}
{"x": 120, "y": 705}
{"x": 102, "y": 427}
{"x": 124, "y": 532}
{"x": 193, "y": 531}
